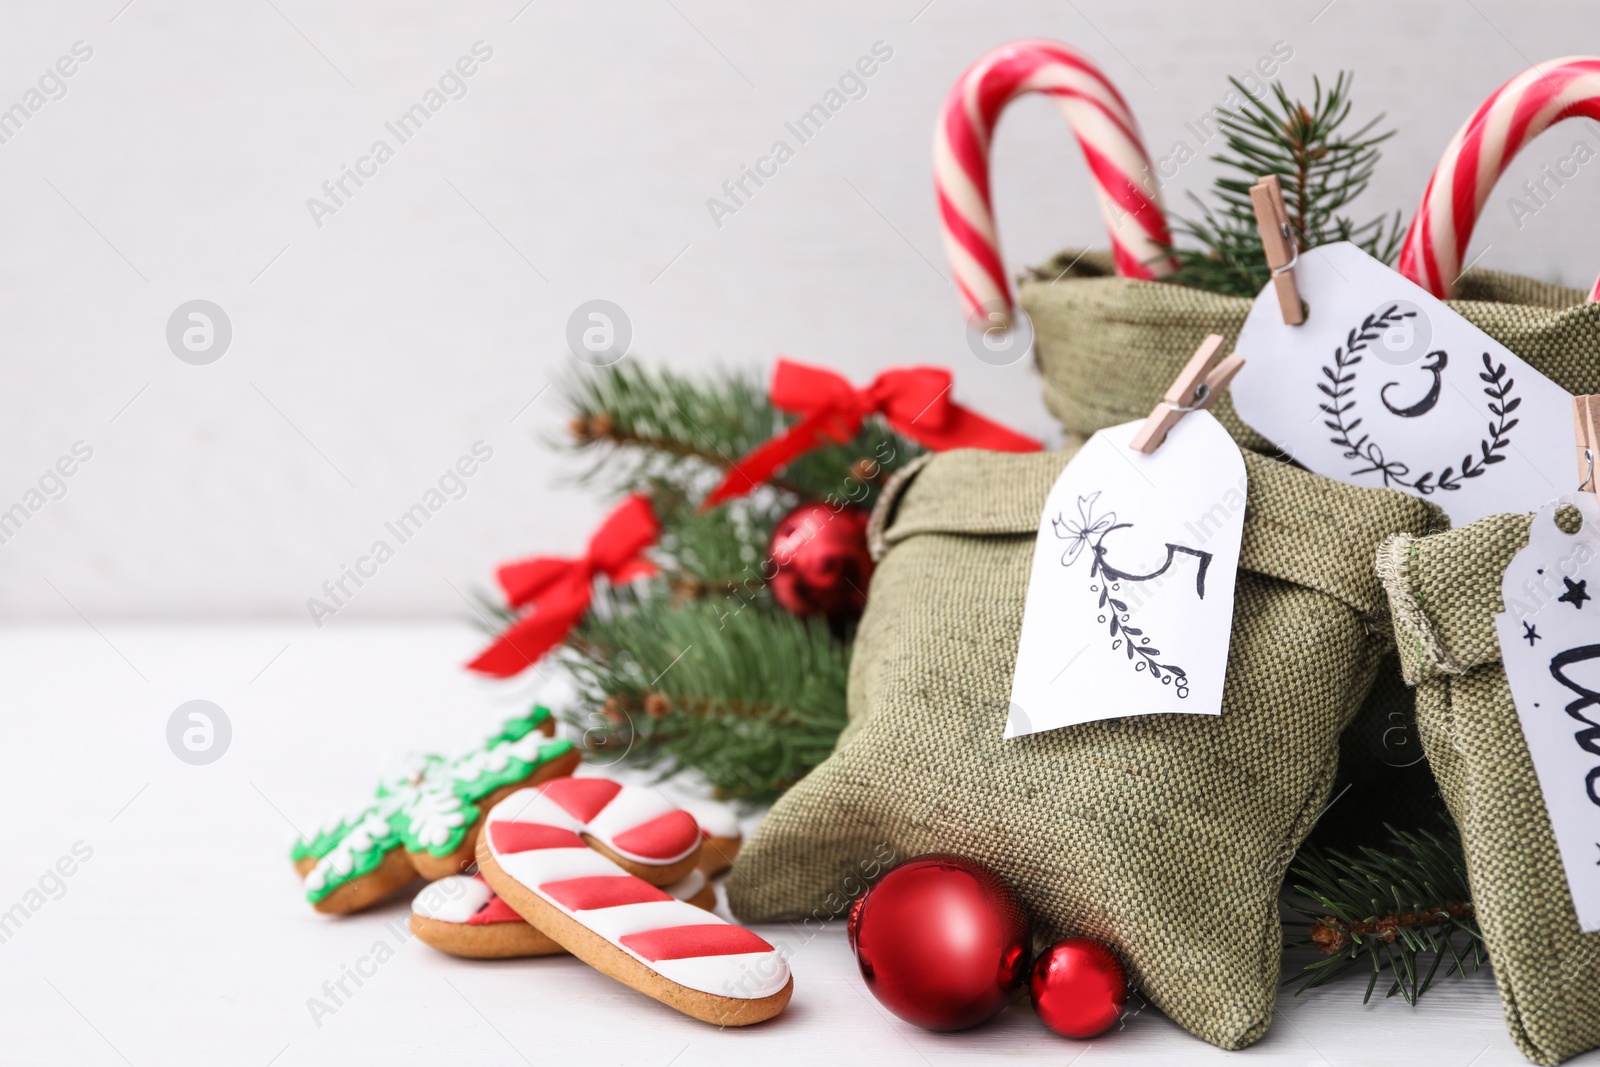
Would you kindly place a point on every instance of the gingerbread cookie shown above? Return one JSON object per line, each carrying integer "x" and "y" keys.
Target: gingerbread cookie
{"x": 462, "y": 916}
{"x": 535, "y": 852}
{"x": 720, "y": 833}
{"x": 424, "y": 820}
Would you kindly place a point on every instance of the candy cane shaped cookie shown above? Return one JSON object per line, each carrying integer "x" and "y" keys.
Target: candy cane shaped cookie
{"x": 1479, "y": 153}
{"x": 719, "y": 827}
{"x": 1130, "y": 199}
{"x": 425, "y": 824}
{"x": 535, "y": 853}
{"x": 460, "y": 915}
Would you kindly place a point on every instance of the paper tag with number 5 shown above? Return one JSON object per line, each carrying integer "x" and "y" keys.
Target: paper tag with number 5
{"x": 1130, "y": 599}
{"x": 1383, "y": 385}
{"x": 1550, "y": 646}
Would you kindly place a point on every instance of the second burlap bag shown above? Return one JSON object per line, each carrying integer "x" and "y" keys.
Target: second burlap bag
{"x": 1166, "y": 836}
{"x": 1445, "y": 591}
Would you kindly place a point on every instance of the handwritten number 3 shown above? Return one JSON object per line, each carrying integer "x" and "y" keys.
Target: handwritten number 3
{"x": 1589, "y": 739}
{"x": 1425, "y": 405}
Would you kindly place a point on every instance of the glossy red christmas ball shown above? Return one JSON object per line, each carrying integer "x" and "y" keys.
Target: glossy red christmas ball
{"x": 822, "y": 563}
{"x": 1078, "y": 987}
{"x": 942, "y": 942}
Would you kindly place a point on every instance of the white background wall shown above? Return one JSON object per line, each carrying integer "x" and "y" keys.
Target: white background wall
{"x": 371, "y": 352}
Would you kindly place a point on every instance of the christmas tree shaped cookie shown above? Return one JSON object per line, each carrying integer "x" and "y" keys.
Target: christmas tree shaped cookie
{"x": 423, "y": 820}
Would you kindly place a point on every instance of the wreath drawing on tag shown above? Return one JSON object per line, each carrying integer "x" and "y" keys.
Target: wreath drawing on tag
{"x": 1339, "y": 405}
{"x": 1090, "y": 532}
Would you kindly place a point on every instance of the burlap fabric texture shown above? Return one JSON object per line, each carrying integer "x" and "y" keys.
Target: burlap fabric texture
{"x": 1445, "y": 591}
{"x": 1108, "y": 347}
{"x": 1166, "y": 836}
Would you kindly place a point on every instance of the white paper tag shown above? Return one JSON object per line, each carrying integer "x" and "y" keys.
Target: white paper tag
{"x": 1130, "y": 600}
{"x": 1550, "y": 645}
{"x": 1383, "y": 385}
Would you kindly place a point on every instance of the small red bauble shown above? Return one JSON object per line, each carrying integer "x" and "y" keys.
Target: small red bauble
{"x": 942, "y": 942}
{"x": 822, "y": 562}
{"x": 1078, "y": 987}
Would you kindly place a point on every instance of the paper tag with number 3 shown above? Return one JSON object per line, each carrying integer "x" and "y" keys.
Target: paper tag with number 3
{"x": 1384, "y": 385}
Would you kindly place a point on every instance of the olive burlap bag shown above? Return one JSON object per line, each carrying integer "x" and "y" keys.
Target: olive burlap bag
{"x": 1166, "y": 836}
{"x": 1108, "y": 347}
{"x": 1445, "y": 592}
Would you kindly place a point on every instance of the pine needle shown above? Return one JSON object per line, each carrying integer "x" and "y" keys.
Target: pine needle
{"x": 741, "y": 691}
{"x": 1386, "y": 909}
{"x": 1322, "y": 169}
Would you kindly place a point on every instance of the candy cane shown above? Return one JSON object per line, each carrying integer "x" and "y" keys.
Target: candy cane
{"x": 1111, "y": 143}
{"x": 556, "y": 854}
{"x": 1478, "y": 154}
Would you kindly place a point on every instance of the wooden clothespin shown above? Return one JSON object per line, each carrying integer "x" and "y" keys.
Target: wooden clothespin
{"x": 1586, "y": 418}
{"x": 1197, "y": 385}
{"x": 1272, "y": 219}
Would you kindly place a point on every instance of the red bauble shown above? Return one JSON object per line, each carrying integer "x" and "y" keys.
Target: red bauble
{"x": 822, "y": 561}
{"x": 942, "y": 942}
{"x": 1078, "y": 987}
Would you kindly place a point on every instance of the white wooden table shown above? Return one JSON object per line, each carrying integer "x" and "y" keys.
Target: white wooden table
{"x": 183, "y": 938}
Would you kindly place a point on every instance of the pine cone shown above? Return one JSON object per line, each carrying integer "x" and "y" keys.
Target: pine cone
{"x": 865, "y": 469}
{"x": 1328, "y": 937}
{"x": 587, "y": 428}
{"x": 656, "y": 705}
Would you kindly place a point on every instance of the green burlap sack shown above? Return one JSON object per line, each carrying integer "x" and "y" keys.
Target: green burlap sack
{"x": 1108, "y": 347}
{"x": 1445, "y": 592}
{"x": 1166, "y": 836}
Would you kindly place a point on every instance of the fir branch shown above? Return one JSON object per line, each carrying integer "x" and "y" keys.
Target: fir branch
{"x": 1322, "y": 169}
{"x": 1390, "y": 909}
{"x": 742, "y": 692}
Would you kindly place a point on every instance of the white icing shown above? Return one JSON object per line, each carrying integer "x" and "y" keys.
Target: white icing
{"x": 740, "y": 976}
{"x": 495, "y": 758}
{"x": 531, "y": 805}
{"x": 555, "y": 864}
{"x": 452, "y": 900}
{"x": 634, "y": 806}
{"x": 737, "y": 976}
{"x": 690, "y": 886}
{"x": 435, "y": 814}
{"x": 613, "y": 924}
{"x": 717, "y": 820}
{"x": 341, "y": 860}
{"x": 407, "y": 770}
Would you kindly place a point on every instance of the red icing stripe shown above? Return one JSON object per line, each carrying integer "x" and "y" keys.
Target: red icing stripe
{"x": 602, "y": 891}
{"x": 582, "y": 798}
{"x": 681, "y": 942}
{"x": 507, "y": 836}
{"x": 496, "y": 911}
{"x": 661, "y": 838}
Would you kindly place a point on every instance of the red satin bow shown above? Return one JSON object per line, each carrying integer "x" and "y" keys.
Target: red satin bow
{"x": 560, "y": 589}
{"x": 914, "y": 401}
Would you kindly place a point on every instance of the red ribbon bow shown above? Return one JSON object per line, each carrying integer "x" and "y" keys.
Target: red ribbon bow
{"x": 914, "y": 401}
{"x": 560, "y": 589}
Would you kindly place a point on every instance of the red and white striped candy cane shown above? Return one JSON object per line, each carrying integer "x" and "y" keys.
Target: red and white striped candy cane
{"x": 1107, "y": 133}
{"x": 1515, "y": 114}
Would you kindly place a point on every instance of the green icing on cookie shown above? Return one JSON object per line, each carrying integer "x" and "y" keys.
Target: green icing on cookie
{"x": 518, "y": 766}
{"x": 321, "y": 842}
{"x": 515, "y": 729}
{"x": 443, "y": 811}
{"x": 360, "y": 851}
{"x": 428, "y": 807}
